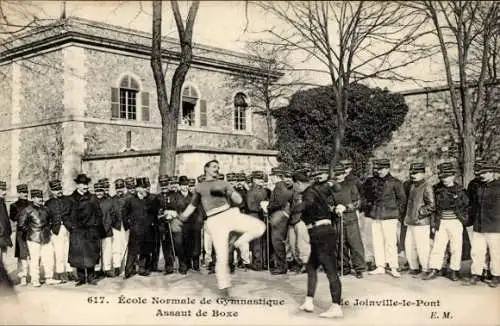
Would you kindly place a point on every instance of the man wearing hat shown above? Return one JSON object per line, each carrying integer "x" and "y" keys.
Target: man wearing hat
{"x": 86, "y": 231}
{"x": 168, "y": 202}
{"x": 222, "y": 219}
{"x": 451, "y": 203}
{"x": 389, "y": 200}
{"x": 141, "y": 211}
{"x": 279, "y": 213}
{"x": 419, "y": 209}
{"x": 5, "y": 227}
{"x": 120, "y": 227}
{"x": 485, "y": 220}
{"x": 101, "y": 190}
{"x": 130, "y": 185}
{"x": 21, "y": 247}
{"x": 348, "y": 197}
{"x": 59, "y": 207}
{"x": 255, "y": 195}
{"x": 316, "y": 215}
{"x": 34, "y": 222}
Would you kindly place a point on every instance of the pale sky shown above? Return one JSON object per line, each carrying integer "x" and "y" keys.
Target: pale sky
{"x": 218, "y": 23}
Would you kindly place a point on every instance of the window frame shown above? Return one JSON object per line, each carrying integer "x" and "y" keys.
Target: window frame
{"x": 247, "y": 116}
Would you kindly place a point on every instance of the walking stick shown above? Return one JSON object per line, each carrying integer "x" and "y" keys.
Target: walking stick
{"x": 176, "y": 263}
{"x": 267, "y": 243}
{"x": 342, "y": 244}
{"x": 124, "y": 262}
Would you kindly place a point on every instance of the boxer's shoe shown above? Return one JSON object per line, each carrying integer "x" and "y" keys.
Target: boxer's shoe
{"x": 332, "y": 312}
{"x": 36, "y": 284}
{"x": 308, "y": 305}
{"x": 224, "y": 293}
{"x": 51, "y": 281}
{"x": 394, "y": 273}
{"x": 377, "y": 271}
{"x": 432, "y": 274}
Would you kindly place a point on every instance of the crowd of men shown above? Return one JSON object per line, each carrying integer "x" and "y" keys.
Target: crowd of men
{"x": 306, "y": 221}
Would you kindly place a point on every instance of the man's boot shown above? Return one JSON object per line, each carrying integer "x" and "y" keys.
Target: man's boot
{"x": 433, "y": 273}
{"x": 63, "y": 277}
{"x": 117, "y": 272}
{"x": 454, "y": 276}
{"x": 109, "y": 274}
{"x": 494, "y": 282}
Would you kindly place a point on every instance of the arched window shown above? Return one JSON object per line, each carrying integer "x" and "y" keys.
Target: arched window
{"x": 129, "y": 88}
{"x": 188, "y": 109}
{"x": 240, "y": 111}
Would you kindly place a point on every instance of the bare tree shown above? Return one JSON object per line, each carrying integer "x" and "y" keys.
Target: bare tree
{"x": 353, "y": 41}
{"x": 461, "y": 27}
{"x": 268, "y": 90}
{"x": 169, "y": 110}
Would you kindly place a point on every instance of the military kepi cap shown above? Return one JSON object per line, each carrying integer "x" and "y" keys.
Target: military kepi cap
{"x": 446, "y": 169}
{"x": 231, "y": 177}
{"x": 417, "y": 167}
{"x": 163, "y": 180}
{"x": 3, "y": 185}
{"x": 36, "y": 193}
{"x": 488, "y": 167}
{"x": 55, "y": 185}
{"x": 22, "y": 188}
{"x": 191, "y": 182}
{"x": 119, "y": 184}
{"x": 382, "y": 163}
{"x": 104, "y": 182}
{"x": 130, "y": 183}
{"x": 339, "y": 169}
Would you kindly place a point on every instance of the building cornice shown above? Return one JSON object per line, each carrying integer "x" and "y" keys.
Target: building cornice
{"x": 181, "y": 150}
{"x": 443, "y": 88}
{"x": 81, "y": 31}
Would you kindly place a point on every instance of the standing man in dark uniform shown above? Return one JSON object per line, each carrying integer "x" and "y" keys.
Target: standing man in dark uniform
{"x": 21, "y": 246}
{"x": 255, "y": 195}
{"x": 106, "y": 203}
{"x": 5, "y": 228}
{"x": 167, "y": 199}
{"x": 141, "y": 210}
{"x": 59, "y": 207}
{"x": 86, "y": 231}
{"x": 279, "y": 213}
{"x": 315, "y": 212}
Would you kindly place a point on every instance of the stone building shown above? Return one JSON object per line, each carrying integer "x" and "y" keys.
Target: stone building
{"x": 79, "y": 96}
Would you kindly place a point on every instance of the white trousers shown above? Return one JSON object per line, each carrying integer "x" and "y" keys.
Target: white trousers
{"x": 113, "y": 249}
{"x": 299, "y": 242}
{"x": 449, "y": 230}
{"x": 41, "y": 254}
{"x": 385, "y": 242}
{"x": 207, "y": 244}
{"x": 417, "y": 246}
{"x": 60, "y": 244}
{"x": 479, "y": 243}
{"x": 22, "y": 267}
{"x": 219, "y": 226}
{"x": 365, "y": 226}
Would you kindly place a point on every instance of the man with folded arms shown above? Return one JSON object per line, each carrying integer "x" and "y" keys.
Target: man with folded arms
{"x": 451, "y": 208}
{"x": 316, "y": 215}
{"x": 59, "y": 207}
{"x": 21, "y": 251}
{"x": 34, "y": 221}
{"x": 215, "y": 196}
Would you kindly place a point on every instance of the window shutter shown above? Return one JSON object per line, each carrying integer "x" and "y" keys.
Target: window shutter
{"x": 203, "y": 113}
{"x": 115, "y": 102}
{"x": 145, "y": 106}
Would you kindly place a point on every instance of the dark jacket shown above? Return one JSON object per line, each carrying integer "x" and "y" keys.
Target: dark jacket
{"x": 354, "y": 180}
{"x": 86, "y": 231}
{"x": 142, "y": 215}
{"x": 348, "y": 195}
{"x": 118, "y": 217}
{"x": 34, "y": 221}
{"x": 452, "y": 198}
{"x": 108, "y": 215}
{"x": 314, "y": 204}
{"x": 21, "y": 248}
{"x": 388, "y": 197}
{"x": 255, "y": 195}
{"x": 243, "y": 193}
{"x": 486, "y": 216}
{"x": 5, "y": 228}
{"x": 420, "y": 203}
{"x": 182, "y": 202}
{"x": 280, "y": 197}
{"x": 60, "y": 212}
{"x": 472, "y": 193}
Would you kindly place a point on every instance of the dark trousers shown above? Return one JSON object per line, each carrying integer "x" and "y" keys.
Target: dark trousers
{"x": 85, "y": 274}
{"x": 402, "y": 236}
{"x": 323, "y": 252}
{"x": 191, "y": 242}
{"x": 170, "y": 242}
{"x": 140, "y": 243}
{"x": 279, "y": 232}
{"x": 259, "y": 247}
{"x": 354, "y": 251}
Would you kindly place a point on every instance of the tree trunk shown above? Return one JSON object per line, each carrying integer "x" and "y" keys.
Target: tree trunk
{"x": 270, "y": 132}
{"x": 468, "y": 154}
{"x": 168, "y": 145}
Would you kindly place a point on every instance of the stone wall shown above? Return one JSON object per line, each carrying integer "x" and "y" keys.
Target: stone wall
{"x": 5, "y": 149}
{"x": 187, "y": 163}
{"x": 425, "y": 136}
{"x": 5, "y": 94}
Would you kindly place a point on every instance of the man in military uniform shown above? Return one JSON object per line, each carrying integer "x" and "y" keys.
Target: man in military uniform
{"x": 486, "y": 224}
{"x": 167, "y": 203}
{"x": 348, "y": 196}
{"x": 130, "y": 185}
{"x": 101, "y": 190}
{"x": 389, "y": 200}
{"x": 451, "y": 203}
{"x": 192, "y": 236}
{"x": 417, "y": 218}
{"x": 255, "y": 195}
{"x": 59, "y": 207}
{"x": 5, "y": 227}
{"x": 21, "y": 246}
{"x": 120, "y": 227}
